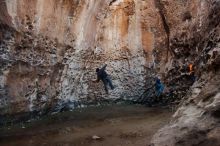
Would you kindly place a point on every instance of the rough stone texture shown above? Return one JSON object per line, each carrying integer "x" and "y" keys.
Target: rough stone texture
{"x": 49, "y": 50}
{"x": 196, "y": 122}
{"x": 196, "y": 41}
{"x": 51, "y": 55}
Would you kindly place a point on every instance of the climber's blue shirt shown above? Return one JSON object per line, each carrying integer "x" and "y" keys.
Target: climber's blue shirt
{"x": 159, "y": 87}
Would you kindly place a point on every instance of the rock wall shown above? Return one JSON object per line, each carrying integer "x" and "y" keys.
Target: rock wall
{"x": 50, "y": 50}
{"x": 197, "y": 41}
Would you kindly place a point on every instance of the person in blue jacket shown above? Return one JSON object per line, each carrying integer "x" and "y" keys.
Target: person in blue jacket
{"x": 159, "y": 87}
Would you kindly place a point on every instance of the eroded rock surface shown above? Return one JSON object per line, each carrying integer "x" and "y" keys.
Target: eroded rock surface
{"x": 50, "y": 50}
{"x": 196, "y": 122}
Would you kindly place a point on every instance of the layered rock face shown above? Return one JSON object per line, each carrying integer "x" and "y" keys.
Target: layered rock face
{"x": 196, "y": 122}
{"x": 50, "y": 50}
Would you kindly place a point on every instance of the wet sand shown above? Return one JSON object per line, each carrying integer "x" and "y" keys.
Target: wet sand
{"x": 116, "y": 125}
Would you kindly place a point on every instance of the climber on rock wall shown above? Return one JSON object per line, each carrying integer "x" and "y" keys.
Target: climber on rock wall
{"x": 102, "y": 75}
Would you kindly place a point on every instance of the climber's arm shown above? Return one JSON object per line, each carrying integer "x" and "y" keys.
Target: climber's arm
{"x": 104, "y": 67}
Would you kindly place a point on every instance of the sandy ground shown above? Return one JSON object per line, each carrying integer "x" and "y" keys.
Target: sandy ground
{"x": 116, "y": 125}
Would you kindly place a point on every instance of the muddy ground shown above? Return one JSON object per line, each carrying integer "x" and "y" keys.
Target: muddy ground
{"x": 116, "y": 125}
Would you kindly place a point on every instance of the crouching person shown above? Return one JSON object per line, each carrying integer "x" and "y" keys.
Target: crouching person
{"x": 159, "y": 87}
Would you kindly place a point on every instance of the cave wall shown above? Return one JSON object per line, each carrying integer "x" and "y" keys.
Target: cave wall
{"x": 50, "y": 50}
